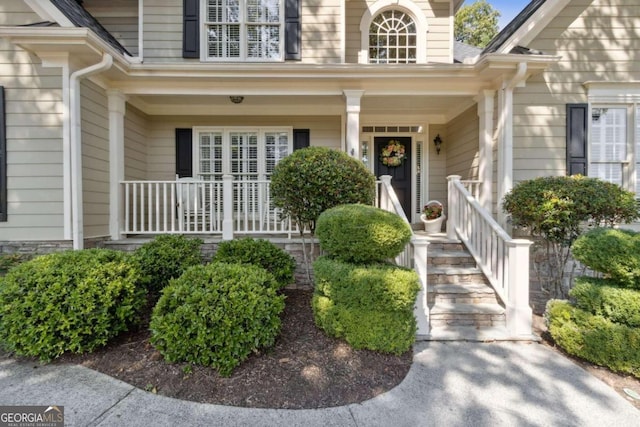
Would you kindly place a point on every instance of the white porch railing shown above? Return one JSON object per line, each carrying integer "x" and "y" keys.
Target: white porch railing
{"x": 415, "y": 254}
{"x": 190, "y": 206}
{"x": 503, "y": 260}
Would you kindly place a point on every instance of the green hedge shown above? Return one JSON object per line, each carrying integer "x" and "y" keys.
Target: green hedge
{"x": 166, "y": 257}
{"x": 594, "y": 338}
{"x": 261, "y": 253}
{"x": 371, "y": 307}
{"x": 604, "y": 298}
{"x": 70, "y": 301}
{"x": 216, "y": 315}
{"x": 616, "y": 253}
{"x": 362, "y": 234}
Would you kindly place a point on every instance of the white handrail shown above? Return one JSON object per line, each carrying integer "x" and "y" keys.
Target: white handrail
{"x": 503, "y": 260}
{"x": 414, "y": 255}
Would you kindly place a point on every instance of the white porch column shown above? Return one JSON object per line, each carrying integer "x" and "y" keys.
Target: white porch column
{"x": 505, "y": 148}
{"x": 353, "y": 122}
{"x": 117, "y": 108}
{"x": 519, "y": 313}
{"x": 485, "y": 164}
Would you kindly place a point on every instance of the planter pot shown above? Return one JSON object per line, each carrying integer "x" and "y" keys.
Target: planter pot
{"x": 432, "y": 226}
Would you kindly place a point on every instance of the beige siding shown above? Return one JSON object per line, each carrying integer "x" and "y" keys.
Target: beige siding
{"x": 598, "y": 41}
{"x": 438, "y": 35}
{"x": 436, "y": 169}
{"x": 324, "y": 131}
{"x": 33, "y": 108}
{"x": 321, "y": 24}
{"x": 135, "y": 144}
{"x": 95, "y": 160}
{"x": 462, "y": 144}
{"x": 163, "y": 30}
{"x": 124, "y": 29}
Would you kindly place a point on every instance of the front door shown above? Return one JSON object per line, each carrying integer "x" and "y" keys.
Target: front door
{"x": 393, "y": 157}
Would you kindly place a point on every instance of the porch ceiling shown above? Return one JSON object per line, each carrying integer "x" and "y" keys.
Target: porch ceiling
{"x": 437, "y": 108}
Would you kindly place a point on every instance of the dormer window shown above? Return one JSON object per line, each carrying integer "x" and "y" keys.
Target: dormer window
{"x": 392, "y": 38}
{"x": 244, "y": 30}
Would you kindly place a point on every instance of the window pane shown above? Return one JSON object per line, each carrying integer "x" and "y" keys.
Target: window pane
{"x": 264, "y": 11}
{"x": 263, "y": 41}
{"x": 609, "y": 134}
{"x": 392, "y": 38}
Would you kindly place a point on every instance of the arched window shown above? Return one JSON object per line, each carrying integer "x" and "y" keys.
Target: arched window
{"x": 392, "y": 38}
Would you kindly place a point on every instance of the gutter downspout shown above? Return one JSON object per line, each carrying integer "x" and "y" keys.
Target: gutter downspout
{"x": 76, "y": 146}
{"x": 505, "y": 152}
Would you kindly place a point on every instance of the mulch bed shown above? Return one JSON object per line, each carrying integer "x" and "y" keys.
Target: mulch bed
{"x": 305, "y": 368}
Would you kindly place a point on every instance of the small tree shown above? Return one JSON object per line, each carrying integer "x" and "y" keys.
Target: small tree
{"x": 476, "y": 24}
{"x": 559, "y": 209}
{"x": 314, "y": 179}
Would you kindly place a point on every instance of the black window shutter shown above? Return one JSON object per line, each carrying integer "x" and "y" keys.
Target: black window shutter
{"x": 577, "y": 136}
{"x": 191, "y": 29}
{"x": 301, "y": 138}
{"x": 292, "y": 30}
{"x": 184, "y": 152}
{"x": 3, "y": 159}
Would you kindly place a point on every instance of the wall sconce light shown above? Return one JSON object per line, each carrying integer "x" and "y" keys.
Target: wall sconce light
{"x": 437, "y": 141}
{"x": 236, "y": 99}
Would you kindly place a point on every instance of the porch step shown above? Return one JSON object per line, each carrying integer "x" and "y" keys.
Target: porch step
{"x": 472, "y": 333}
{"x": 461, "y": 293}
{"x": 450, "y": 274}
{"x": 476, "y": 315}
{"x": 450, "y": 258}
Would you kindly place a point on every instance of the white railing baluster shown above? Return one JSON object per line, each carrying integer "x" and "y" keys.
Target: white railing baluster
{"x": 503, "y": 260}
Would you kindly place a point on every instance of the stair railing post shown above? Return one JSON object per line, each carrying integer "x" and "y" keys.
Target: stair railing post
{"x": 452, "y": 203}
{"x": 420, "y": 246}
{"x": 227, "y": 207}
{"x": 384, "y": 192}
{"x": 519, "y": 313}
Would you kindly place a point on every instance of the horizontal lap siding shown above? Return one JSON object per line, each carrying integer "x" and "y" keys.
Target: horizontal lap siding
{"x": 124, "y": 29}
{"x": 461, "y": 145}
{"x": 34, "y": 137}
{"x": 325, "y": 131}
{"x": 95, "y": 159}
{"x": 163, "y": 30}
{"x": 321, "y": 24}
{"x": 436, "y": 168}
{"x": 598, "y": 41}
{"x": 135, "y": 144}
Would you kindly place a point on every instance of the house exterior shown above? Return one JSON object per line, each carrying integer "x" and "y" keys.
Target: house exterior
{"x": 108, "y": 103}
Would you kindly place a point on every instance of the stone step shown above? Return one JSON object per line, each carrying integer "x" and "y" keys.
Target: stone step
{"x": 450, "y": 258}
{"x": 477, "y": 315}
{"x": 445, "y": 274}
{"x": 462, "y": 293}
{"x": 472, "y": 333}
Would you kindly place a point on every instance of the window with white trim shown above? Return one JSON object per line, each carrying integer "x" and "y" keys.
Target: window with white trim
{"x": 249, "y": 154}
{"x": 239, "y": 30}
{"x": 392, "y": 38}
{"x": 614, "y": 153}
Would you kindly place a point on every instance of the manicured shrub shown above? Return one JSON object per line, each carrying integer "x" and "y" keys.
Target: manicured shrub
{"x": 616, "y": 253}
{"x": 371, "y": 307}
{"x": 555, "y": 208}
{"x": 314, "y": 179}
{"x": 362, "y": 234}
{"x": 604, "y": 298}
{"x": 261, "y": 253}
{"x": 216, "y": 315}
{"x": 8, "y": 261}
{"x": 166, "y": 257}
{"x": 594, "y": 338}
{"x": 70, "y": 301}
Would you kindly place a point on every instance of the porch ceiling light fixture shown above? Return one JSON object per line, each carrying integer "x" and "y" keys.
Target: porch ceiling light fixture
{"x": 236, "y": 99}
{"x": 437, "y": 141}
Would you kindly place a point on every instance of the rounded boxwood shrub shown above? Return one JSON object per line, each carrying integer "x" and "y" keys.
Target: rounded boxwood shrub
{"x": 314, "y": 179}
{"x": 362, "y": 234}
{"x": 258, "y": 252}
{"x": 616, "y": 253}
{"x": 166, "y": 257}
{"x": 370, "y": 306}
{"x": 69, "y": 301}
{"x": 216, "y": 315}
{"x": 607, "y": 299}
{"x": 594, "y": 338}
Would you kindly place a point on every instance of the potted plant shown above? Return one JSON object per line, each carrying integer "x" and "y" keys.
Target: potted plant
{"x": 432, "y": 216}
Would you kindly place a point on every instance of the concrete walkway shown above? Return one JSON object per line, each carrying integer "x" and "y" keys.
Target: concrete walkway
{"x": 449, "y": 384}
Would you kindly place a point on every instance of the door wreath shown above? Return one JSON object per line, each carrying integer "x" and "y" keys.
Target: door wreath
{"x": 393, "y": 154}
